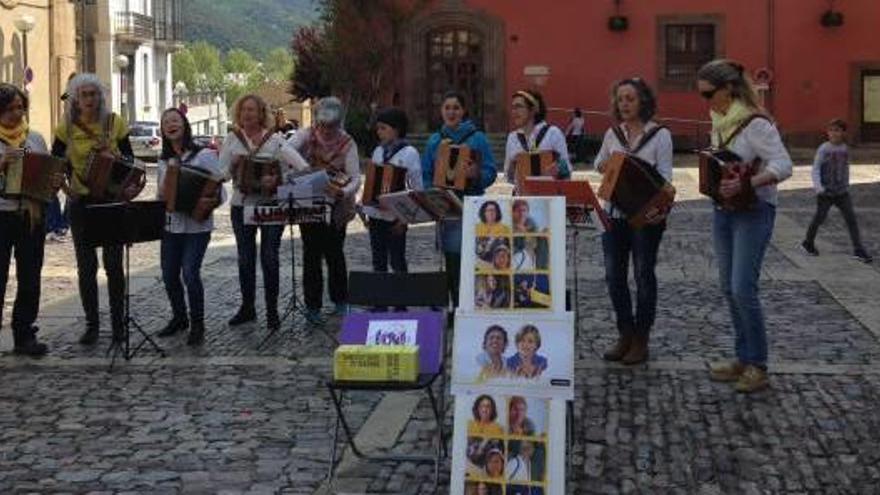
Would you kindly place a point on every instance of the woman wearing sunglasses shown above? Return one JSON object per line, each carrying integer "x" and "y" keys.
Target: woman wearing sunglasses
{"x": 740, "y": 125}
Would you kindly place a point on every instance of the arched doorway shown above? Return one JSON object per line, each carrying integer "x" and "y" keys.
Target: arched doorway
{"x": 455, "y": 59}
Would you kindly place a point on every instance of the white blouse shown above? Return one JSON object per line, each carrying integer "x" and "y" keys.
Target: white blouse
{"x": 408, "y": 158}
{"x": 35, "y": 142}
{"x": 181, "y": 223}
{"x": 760, "y": 139}
{"x": 657, "y": 151}
{"x": 553, "y": 140}
{"x": 275, "y": 148}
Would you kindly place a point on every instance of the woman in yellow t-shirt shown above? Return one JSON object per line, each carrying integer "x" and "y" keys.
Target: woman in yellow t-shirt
{"x": 485, "y": 414}
{"x": 490, "y": 221}
{"x": 90, "y": 125}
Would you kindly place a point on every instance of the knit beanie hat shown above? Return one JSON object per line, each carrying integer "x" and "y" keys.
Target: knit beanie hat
{"x": 395, "y": 118}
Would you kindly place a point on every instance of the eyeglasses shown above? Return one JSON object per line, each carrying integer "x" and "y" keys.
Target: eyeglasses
{"x": 710, "y": 93}
{"x": 518, "y": 106}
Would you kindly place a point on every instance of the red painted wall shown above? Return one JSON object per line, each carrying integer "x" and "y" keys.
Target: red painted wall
{"x": 812, "y": 63}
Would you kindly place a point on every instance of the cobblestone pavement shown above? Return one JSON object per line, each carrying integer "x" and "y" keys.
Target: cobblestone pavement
{"x": 237, "y": 417}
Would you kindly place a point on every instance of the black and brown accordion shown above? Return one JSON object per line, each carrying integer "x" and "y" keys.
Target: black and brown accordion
{"x": 193, "y": 191}
{"x": 30, "y": 176}
{"x": 451, "y": 165}
{"x": 382, "y": 179}
{"x": 535, "y": 164}
{"x": 108, "y": 175}
{"x": 635, "y": 187}
{"x": 720, "y": 164}
{"x": 248, "y": 174}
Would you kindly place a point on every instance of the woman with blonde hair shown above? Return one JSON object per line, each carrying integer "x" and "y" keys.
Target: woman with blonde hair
{"x": 253, "y": 137}
{"x": 741, "y": 236}
{"x": 89, "y": 125}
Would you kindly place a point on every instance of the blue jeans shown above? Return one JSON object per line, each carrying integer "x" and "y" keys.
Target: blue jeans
{"x": 619, "y": 243}
{"x": 184, "y": 253}
{"x": 246, "y": 244}
{"x": 741, "y": 240}
{"x": 56, "y": 220}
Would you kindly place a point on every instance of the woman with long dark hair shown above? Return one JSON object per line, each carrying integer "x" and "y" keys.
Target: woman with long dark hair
{"x": 633, "y": 105}
{"x": 458, "y": 129}
{"x": 186, "y": 239}
{"x": 741, "y": 125}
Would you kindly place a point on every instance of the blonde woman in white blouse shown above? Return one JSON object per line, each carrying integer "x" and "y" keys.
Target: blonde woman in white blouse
{"x": 741, "y": 237}
{"x": 253, "y": 135}
{"x": 633, "y": 105}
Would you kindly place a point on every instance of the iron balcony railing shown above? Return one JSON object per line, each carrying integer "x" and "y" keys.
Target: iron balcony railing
{"x": 134, "y": 26}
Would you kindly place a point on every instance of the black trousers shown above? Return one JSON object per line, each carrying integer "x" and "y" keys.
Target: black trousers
{"x": 87, "y": 272}
{"x": 843, "y": 202}
{"x": 387, "y": 245}
{"x": 323, "y": 242}
{"x": 26, "y": 242}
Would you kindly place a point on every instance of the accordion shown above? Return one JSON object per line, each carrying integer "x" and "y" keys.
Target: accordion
{"x": 719, "y": 164}
{"x": 451, "y": 165}
{"x": 30, "y": 176}
{"x": 635, "y": 187}
{"x": 107, "y": 176}
{"x": 184, "y": 189}
{"x": 539, "y": 163}
{"x": 382, "y": 179}
{"x": 248, "y": 174}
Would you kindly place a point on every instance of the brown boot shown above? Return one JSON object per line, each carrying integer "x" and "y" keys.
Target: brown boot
{"x": 638, "y": 352}
{"x": 616, "y": 353}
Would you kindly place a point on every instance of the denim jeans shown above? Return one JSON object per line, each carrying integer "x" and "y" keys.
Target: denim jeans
{"x": 619, "y": 243}
{"x": 741, "y": 239}
{"x": 87, "y": 271}
{"x": 26, "y": 243}
{"x": 320, "y": 242}
{"x": 843, "y": 202}
{"x": 184, "y": 253}
{"x": 387, "y": 245}
{"x": 246, "y": 244}
{"x": 56, "y": 220}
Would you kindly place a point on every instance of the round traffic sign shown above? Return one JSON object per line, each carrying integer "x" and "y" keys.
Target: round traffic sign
{"x": 28, "y": 75}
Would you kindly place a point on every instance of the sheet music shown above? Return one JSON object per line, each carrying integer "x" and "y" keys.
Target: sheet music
{"x": 306, "y": 189}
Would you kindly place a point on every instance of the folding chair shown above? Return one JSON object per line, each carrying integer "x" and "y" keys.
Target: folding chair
{"x": 397, "y": 289}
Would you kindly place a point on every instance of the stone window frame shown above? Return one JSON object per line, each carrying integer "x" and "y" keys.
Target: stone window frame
{"x": 674, "y": 84}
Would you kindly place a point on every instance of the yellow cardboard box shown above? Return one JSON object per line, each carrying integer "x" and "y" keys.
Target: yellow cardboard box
{"x": 376, "y": 363}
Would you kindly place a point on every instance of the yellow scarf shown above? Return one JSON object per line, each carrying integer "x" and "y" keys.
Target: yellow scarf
{"x": 15, "y": 136}
{"x": 723, "y": 125}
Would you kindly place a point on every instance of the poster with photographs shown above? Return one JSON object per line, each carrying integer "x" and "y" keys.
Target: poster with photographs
{"x": 531, "y": 354}
{"x": 513, "y": 254}
{"x": 508, "y": 444}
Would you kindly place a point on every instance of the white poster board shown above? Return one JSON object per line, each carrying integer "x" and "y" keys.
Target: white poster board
{"x": 513, "y": 254}
{"x": 529, "y": 354}
{"x": 508, "y": 444}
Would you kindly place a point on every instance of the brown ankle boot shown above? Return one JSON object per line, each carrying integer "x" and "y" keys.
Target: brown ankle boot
{"x": 638, "y": 352}
{"x": 616, "y": 353}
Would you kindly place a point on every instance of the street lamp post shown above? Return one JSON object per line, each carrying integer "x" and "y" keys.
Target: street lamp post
{"x": 25, "y": 24}
{"x": 121, "y": 62}
{"x": 218, "y": 100}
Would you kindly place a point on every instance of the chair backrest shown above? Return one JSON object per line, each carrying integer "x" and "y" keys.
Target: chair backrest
{"x": 397, "y": 289}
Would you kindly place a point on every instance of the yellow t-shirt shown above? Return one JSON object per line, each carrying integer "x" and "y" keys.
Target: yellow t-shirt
{"x": 492, "y": 230}
{"x": 492, "y": 429}
{"x": 79, "y": 145}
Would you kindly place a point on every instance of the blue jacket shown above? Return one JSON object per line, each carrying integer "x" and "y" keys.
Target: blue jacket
{"x": 477, "y": 141}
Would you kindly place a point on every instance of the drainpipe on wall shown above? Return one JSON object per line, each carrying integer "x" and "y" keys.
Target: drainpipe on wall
{"x": 771, "y": 49}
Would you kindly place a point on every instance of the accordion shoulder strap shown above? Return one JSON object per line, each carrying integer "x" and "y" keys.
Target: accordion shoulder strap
{"x": 258, "y": 146}
{"x": 461, "y": 139}
{"x": 524, "y": 142}
{"x": 621, "y": 137}
{"x": 648, "y": 137}
{"x": 724, "y": 143}
{"x": 104, "y": 138}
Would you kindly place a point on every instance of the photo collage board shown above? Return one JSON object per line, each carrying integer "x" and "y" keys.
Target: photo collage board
{"x": 513, "y": 350}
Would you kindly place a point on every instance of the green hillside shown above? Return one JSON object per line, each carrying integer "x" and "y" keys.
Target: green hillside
{"x": 256, "y": 26}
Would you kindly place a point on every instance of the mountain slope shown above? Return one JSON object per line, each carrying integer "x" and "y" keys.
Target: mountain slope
{"x": 253, "y": 25}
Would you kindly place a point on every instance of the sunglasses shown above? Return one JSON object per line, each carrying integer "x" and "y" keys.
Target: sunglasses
{"x": 710, "y": 93}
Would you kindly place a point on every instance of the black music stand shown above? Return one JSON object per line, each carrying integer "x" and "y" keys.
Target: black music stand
{"x": 114, "y": 224}
{"x": 295, "y": 307}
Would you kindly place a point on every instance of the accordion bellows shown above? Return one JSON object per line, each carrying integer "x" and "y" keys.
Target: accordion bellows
{"x": 107, "y": 176}
{"x": 380, "y": 180}
{"x": 635, "y": 187}
{"x": 184, "y": 188}
{"x": 31, "y": 177}
{"x": 451, "y": 165}
{"x": 535, "y": 164}
{"x": 248, "y": 174}
{"x": 716, "y": 165}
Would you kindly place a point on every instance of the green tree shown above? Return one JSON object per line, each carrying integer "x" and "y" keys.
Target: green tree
{"x": 239, "y": 61}
{"x": 183, "y": 67}
{"x": 210, "y": 73}
{"x": 278, "y": 65}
